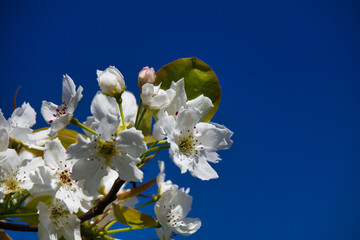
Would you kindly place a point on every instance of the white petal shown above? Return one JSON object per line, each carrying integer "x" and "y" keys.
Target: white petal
{"x": 125, "y": 166}
{"x": 4, "y": 139}
{"x": 47, "y": 229}
{"x": 203, "y": 170}
{"x": 74, "y": 101}
{"x": 107, "y": 127}
{"x": 9, "y": 162}
{"x": 179, "y": 99}
{"x": 68, "y": 89}
{"x": 90, "y": 170}
{"x": 83, "y": 149}
{"x": 24, "y": 116}
{"x": 202, "y": 103}
{"x": 130, "y": 141}
{"x": 103, "y": 105}
{"x": 3, "y": 122}
{"x": 54, "y": 154}
{"x": 129, "y": 106}
{"x": 48, "y": 109}
{"x": 190, "y": 227}
{"x": 213, "y": 138}
{"x": 181, "y": 160}
{"x": 187, "y": 119}
{"x": 164, "y": 126}
{"x": 59, "y": 123}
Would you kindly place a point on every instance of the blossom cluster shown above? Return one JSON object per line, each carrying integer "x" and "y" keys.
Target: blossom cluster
{"x": 54, "y": 178}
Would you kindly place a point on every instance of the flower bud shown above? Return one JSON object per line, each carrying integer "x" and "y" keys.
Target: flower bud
{"x": 146, "y": 75}
{"x": 111, "y": 81}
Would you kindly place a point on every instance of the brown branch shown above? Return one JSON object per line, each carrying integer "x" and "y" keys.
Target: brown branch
{"x": 93, "y": 212}
{"x": 103, "y": 202}
{"x": 18, "y": 227}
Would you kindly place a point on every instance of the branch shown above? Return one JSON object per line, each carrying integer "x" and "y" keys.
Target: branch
{"x": 103, "y": 202}
{"x": 93, "y": 212}
{"x": 18, "y": 227}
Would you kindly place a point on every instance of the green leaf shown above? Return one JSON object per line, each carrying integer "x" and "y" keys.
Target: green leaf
{"x": 132, "y": 217}
{"x": 67, "y": 137}
{"x": 199, "y": 79}
{"x": 132, "y": 192}
{"x": 146, "y": 123}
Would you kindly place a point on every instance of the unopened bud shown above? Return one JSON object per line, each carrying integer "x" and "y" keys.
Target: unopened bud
{"x": 146, "y": 75}
{"x": 111, "y": 81}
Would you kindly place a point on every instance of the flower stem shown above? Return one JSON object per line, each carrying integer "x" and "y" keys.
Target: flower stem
{"x": 154, "y": 199}
{"x": 110, "y": 224}
{"x": 119, "y": 101}
{"x": 138, "y": 111}
{"x": 76, "y": 122}
{"x": 140, "y": 118}
{"x": 153, "y": 149}
{"x": 122, "y": 230}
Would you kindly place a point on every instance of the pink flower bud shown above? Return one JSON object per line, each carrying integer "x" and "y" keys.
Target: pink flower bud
{"x": 146, "y": 75}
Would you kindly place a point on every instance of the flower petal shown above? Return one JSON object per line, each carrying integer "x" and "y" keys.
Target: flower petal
{"x": 24, "y": 116}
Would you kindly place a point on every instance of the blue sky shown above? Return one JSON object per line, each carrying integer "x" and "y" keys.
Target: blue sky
{"x": 290, "y": 79}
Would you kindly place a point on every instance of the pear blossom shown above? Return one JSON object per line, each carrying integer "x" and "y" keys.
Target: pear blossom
{"x": 171, "y": 210}
{"x": 60, "y": 116}
{"x": 146, "y": 75}
{"x": 154, "y": 97}
{"x": 201, "y": 103}
{"x": 111, "y": 81}
{"x": 96, "y": 156}
{"x": 14, "y": 172}
{"x": 193, "y": 143}
{"x": 56, "y": 221}
{"x": 55, "y": 179}
{"x": 19, "y": 126}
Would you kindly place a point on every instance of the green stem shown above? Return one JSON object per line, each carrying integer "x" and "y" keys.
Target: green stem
{"x": 122, "y": 230}
{"x": 140, "y": 118}
{"x": 157, "y": 142}
{"x": 119, "y": 101}
{"x": 76, "y": 122}
{"x": 109, "y": 225}
{"x": 144, "y": 155}
{"x": 19, "y": 215}
{"x": 154, "y": 199}
{"x": 138, "y": 111}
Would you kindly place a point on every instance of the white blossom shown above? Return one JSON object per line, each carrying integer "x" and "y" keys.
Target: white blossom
{"x": 60, "y": 116}
{"x": 94, "y": 157}
{"x": 56, "y": 221}
{"x": 154, "y": 97}
{"x": 193, "y": 143}
{"x": 55, "y": 179}
{"x": 171, "y": 210}
{"x": 14, "y": 172}
{"x": 19, "y": 126}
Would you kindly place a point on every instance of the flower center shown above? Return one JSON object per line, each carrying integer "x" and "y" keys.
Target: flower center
{"x": 61, "y": 110}
{"x": 174, "y": 218}
{"x": 65, "y": 178}
{"x": 58, "y": 212}
{"x": 106, "y": 149}
{"x": 11, "y": 185}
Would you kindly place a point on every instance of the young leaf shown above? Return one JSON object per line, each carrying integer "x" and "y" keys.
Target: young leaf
{"x": 132, "y": 217}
